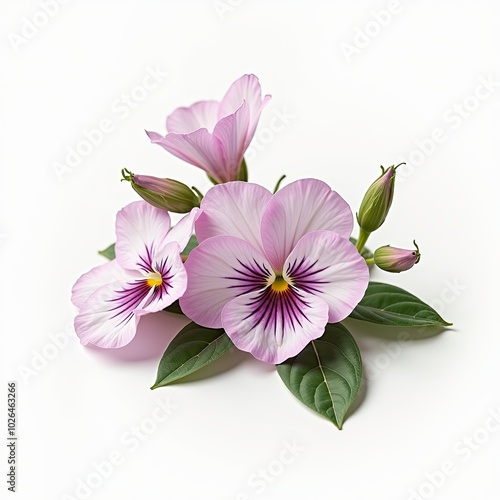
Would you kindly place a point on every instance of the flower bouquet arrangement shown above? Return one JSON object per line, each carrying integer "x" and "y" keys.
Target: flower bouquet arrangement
{"x": 270, "y": 273}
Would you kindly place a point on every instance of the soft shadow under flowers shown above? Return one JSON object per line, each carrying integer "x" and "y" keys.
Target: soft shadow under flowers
{"x": 154, "y": 334}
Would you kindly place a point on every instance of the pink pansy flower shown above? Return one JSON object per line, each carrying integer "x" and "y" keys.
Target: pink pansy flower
{"x": 146, "y": 276}
{"x": 214, "y": 135}
{"x": 272, "y": 270}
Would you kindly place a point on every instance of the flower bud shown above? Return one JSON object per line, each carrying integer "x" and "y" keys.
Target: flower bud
{"x": 377, "y": 201}
{"x": 168, "y": 194}
{"x": 395, "y": 260}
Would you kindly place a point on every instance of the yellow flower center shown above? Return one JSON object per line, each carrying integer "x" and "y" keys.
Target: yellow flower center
{"x": 154, "y": 279}
{"x": 279, "y": 284}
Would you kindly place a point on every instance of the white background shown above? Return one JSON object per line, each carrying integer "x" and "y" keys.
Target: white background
{"x": 334, "y": 116}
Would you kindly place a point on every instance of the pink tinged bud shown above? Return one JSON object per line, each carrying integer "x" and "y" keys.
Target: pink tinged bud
{"x": 396, "y": 260}
{"x": 377, "y": 201}
{"x": 167, "y": 194}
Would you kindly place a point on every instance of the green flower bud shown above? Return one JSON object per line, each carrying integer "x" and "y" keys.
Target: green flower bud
{"x": 168, "y": 194}
{"x": 395, "y": 260}
{"x": 377, "y": 201}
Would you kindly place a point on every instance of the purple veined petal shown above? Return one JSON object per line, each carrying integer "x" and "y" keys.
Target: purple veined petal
{"x": 220, "y": 269}
{"x": 202, "y": 114}
{"x": 233, "y": 209}
{"x": 94, "y": 279}
{"x": 199, "y": 148}
{"x": 167, "y": 278}
{"x": 247, "y": 88}
{"x": 274, "y": 325}
{"x": 297, "y": 209}
{"x": 168, "y": 265}
{"x": 184, "y": 229}
{"x": 328, "y": 266}
{"x": 232, "y": 131}
{"x": 141, "y": 230}
{"x": 107, "y": 318}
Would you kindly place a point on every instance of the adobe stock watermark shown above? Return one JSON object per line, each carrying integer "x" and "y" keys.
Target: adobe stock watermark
{"x": 92, "y": 137}
{"x": 463, "y": 449}
{"x": 391, "y": 350}
{"x": 129, "y": 441}
{"x": 31, "y": 26}
{"x": 266, "y": 475}
{"x": 223, "y": 7}
{"x": 363, "y": 37}
{"x": 280, "y": 119}
{"x": 453, "y": 118}
{"x": 39, "y": 359}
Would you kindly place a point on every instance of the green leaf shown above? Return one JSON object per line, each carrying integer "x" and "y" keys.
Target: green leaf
{"x": 192, "y": 243}
{"x": 109, "y": 252}
{"x": 174, "y": 308}
{"x": 327, "y": 374}
{"x": 390, "y": 305}
{"x": 193, "y": 348}
{"x": 365, "y": 253}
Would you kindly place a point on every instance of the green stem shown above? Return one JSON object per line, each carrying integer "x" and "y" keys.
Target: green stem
{"x": 243, "y": 173}
{"x": 370, "y": 261}
{"x": 212, "y": 180}
{"x": 363, "y": 236}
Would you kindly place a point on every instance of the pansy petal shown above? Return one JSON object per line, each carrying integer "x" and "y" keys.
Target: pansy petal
{"x": 199, "y": 148}
{"x": 274, "y": 326}
{"x": 202, "y": 114}
{"x": 109, "y": 316}
{"x": 97, "y": 277}
{"x": 233, "y": 209}
{"x": 141, "y": 230}
{"x": 108, "y": 319}
{"x": 220, "y": 269}
{"x": 184, "y": 229}
{"x": 232, "y": 131}
{"x": 167, "y": 265}
{"x": 328, "y": 266}
{"x": 297, "y": 209}
{"x": 247, "y": 88}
